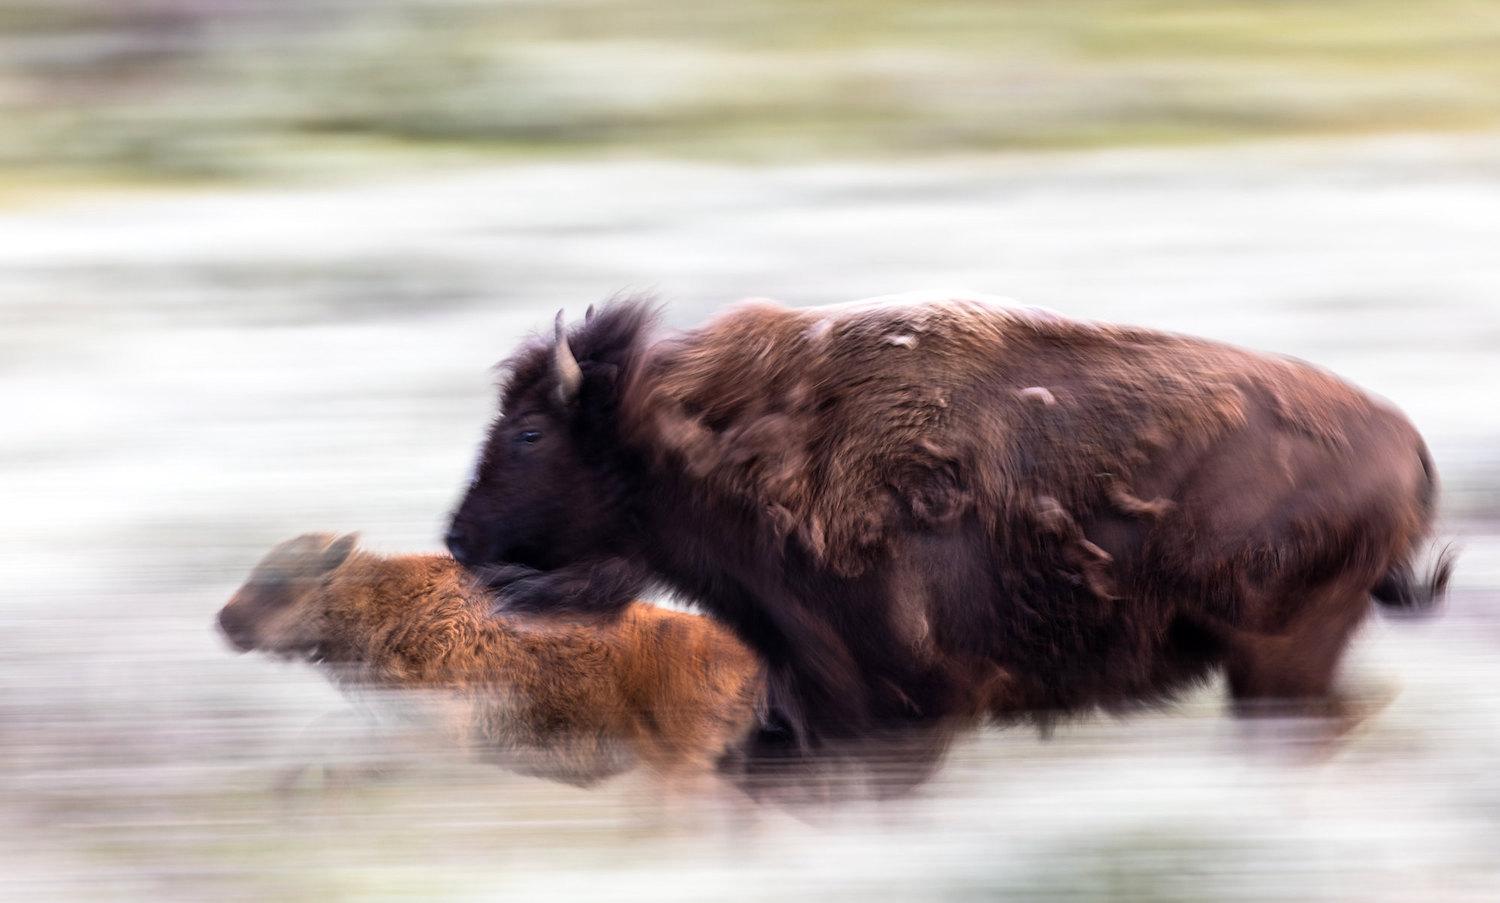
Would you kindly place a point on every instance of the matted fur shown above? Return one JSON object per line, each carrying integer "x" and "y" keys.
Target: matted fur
{"x": 568, "y": 701}
{"x": 926, "y": 511}
{"x": 847, "y": 425}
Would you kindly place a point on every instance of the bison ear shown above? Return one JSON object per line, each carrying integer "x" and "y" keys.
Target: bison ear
{"x": 339, "y": 551}
{"x": 612, "y": 341}
{"x": 597, "y": 394}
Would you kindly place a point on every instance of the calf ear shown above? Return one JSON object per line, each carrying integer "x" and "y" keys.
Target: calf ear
{"x": 339, "y": 551}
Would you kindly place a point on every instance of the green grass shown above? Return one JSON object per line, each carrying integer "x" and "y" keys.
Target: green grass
{"x": 90, "y": 88}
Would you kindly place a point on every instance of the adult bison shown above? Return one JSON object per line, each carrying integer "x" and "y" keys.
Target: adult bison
{"x": 922, "y": 512}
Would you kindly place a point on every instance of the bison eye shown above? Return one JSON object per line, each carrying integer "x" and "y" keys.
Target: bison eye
{"x": 528, "y": 436}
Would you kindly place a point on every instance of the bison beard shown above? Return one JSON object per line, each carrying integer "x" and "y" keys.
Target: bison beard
{"x": 926, "y": 514}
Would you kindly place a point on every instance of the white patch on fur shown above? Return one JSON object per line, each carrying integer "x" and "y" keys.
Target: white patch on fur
{"x": 905, "y": 341}
{"x": 817, "y": 332}
{"x": 1039, "y": 394}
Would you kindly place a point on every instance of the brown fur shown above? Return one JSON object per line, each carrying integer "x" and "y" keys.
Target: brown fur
{"x": 573, "y": 702}
{"x": 922, "y": 512}
{"x": 846, "y": 425}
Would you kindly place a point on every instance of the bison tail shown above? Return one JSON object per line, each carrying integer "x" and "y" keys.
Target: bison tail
{"x": 1403, "y": 590}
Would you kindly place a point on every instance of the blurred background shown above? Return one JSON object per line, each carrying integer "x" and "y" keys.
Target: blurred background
{"x": 257, "y": 259}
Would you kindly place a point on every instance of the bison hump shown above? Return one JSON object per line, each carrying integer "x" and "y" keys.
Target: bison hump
{"x": 843, "y": 426}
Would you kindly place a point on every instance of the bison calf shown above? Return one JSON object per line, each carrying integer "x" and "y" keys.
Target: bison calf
{"x": 571, "y": 702}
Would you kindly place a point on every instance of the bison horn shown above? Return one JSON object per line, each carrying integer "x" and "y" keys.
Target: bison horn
{"x": 588, "y": 314}
{"x": 569, "y": 376}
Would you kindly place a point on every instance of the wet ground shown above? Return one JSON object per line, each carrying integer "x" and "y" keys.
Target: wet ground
{"x": 190, "y": 378}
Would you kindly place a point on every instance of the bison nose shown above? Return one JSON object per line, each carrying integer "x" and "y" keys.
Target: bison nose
{"x": 458, "y": 547}
{"x": 236, "y": 629}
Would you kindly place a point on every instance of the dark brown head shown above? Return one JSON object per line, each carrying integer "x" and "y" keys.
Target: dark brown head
{"x": 279, "y": 609}
{"x": 552, "y": 483}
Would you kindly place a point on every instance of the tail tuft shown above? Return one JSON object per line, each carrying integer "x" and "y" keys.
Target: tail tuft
{"x": 1401, "y": 590}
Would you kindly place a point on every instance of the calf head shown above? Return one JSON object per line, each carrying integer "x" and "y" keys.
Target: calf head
{"x": 279, "y": 609}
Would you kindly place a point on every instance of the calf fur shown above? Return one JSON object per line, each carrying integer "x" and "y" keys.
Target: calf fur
{"x": 574, "y": 702}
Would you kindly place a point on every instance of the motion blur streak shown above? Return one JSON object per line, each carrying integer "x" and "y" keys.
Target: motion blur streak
{"x": 256, "y": 261}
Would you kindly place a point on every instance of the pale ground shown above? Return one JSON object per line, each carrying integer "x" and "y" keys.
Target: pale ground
{"x": 187, "y": 379}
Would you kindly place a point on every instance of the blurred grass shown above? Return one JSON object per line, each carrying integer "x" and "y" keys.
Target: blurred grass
{"x": 141, "y": 90}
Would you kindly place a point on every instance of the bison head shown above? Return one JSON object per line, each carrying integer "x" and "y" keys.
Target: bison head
{"x": 551, "y": 486}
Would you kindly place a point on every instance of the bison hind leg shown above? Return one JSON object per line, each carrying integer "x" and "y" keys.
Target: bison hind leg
{"x": 1291, "y": 672}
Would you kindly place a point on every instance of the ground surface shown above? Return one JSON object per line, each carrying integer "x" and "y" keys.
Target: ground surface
{"x": 209, "y": 89}
{"x": 189, "y": 378}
